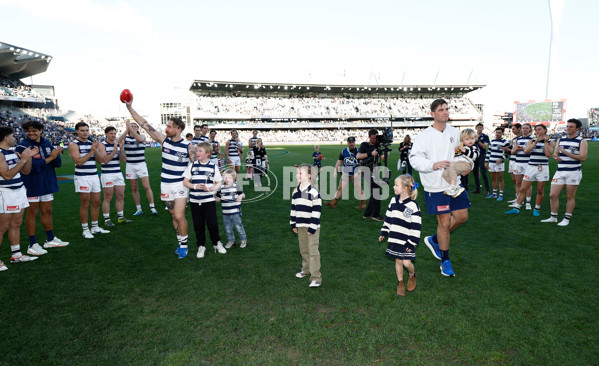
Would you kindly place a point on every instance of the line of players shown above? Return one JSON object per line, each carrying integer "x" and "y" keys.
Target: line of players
{"x": 27, "y": 182}
{"x": 529, "y": 162}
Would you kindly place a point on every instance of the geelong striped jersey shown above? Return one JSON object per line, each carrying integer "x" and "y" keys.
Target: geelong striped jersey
{"x": 114, "y": 165}
{"x": 134, "y": 150}
{"x": 89, "y": 167}
{"x": 402, "y": 222}
{"x": 573, "y": 147}
{"x": 470, "y": 153}
{"x": 306, "y": 206}
{"x": 228, "y": 197}
{"x": 11, "y": 160}
{"x": 202, "y": 138}
{"x": 215, "y": 149}
{"x": 495, "y": 151}
{"x": 233, "y": 145}
{"x": 521, "y": 156}
{"x": 537, "y": 154}
{"x": 199, "y": 173}
{"x": 253, "y": 140}
{"x": 175, "y": 159}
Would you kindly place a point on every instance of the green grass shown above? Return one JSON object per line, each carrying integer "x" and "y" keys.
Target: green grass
{"x": 524, "y": 293}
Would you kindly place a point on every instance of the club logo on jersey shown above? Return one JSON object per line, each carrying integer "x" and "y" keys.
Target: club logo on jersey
{"x": 350, "y": 161}
{"x": 443, "y": 208}
{"x": 182, "y": 156}
{"x": 181, "y": 192}
{"x": 12, "y": 208}
{"x": 407, "y": 213}
{"x": 451, "y": 139}
{"x": 48, "y": 151}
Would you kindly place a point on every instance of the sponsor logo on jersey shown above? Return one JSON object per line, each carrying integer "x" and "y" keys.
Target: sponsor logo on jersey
{"x": 84, "y": 188}
{"x": 443, "y": 208}
{"x": 108, "y": 184}
{"x": 13, "y": 208}
{"x": 164, "y": 195}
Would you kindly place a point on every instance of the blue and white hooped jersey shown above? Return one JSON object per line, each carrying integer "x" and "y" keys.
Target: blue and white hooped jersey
{"x": 11, "y": 160}
{"x": 134, "y": 150}
{"x": 495, "y": 151}
{"x": 202, "y": 138}
{"x": 228, "y": 197}
{"x": 537, "y": 154}
{"x": 233, "y": 145}
{"x": 199, "y": 173}
{"x": 114, "y": 165}
{"x": 89, "y": 167}
{"x": 349, "y": 161}
{"x": 573, "y": 147}
{"x": 521, "y": 156}
{"x": 253, "y": 140}
{"x": 215, "y": 149}
{"x": 175, "y": 159}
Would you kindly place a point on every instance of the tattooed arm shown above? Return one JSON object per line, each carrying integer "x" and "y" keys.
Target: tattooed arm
{"x": 156, "y": 135}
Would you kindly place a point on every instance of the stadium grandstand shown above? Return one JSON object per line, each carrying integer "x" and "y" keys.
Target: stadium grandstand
{"x": 20, "y": 102}
{"x": 318, "y": 113}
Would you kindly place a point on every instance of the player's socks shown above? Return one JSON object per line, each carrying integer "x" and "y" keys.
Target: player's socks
{"x": 120, "y": 215}
{"x": 94, "y": 224}
{"x": 32, "y": 240}
{"x": 85, "y": 227}
{"x": 151, "y": 206}
{"x": 537, "y": 207}
{"x": 138, "y": 207}
{"x": 444, "y": 255}
{"x": 183, "y": 241}
{"x": 528, "y": 199}
{"x": 16, "y": 250}
{"x": 50, "y": 235}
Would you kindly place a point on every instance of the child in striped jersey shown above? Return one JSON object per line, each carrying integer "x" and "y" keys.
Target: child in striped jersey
{"x": 465, "y": 156}
{"x": 230, "y": 196}
{"x": 402, "y": 227}
{"x": 306, "y": 206}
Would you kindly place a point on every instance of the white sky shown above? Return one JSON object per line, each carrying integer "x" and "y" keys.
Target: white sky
{"x": 158, "y": 48}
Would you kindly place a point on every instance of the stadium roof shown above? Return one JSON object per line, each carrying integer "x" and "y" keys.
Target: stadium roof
{"x": 18, "y": 62}
{"x": 202, "y": 87}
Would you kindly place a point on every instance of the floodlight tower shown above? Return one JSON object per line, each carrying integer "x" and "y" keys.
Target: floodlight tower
{"x": 555, "y": 14}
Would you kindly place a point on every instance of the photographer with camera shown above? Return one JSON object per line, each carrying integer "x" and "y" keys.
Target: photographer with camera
{"x": 370, "y": 154}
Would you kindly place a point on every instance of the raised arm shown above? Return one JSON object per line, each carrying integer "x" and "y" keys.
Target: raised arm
{"x": 133, "y": 133}
{"x": 156, "y": 135}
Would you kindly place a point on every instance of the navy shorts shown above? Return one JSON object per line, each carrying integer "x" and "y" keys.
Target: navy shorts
{"x": 438, "y": 203}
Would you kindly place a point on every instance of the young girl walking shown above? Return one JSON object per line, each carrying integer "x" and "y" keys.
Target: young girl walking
{"x": 402, "y": 227}
{"x": 306, "y": 206}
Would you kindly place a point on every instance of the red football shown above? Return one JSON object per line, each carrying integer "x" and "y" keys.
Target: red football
{"x": 126, "y": 96}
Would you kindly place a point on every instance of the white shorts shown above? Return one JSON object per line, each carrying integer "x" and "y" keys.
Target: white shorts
{"x": 519, "y": 168}
{"x": 44, "y": 198}
{"x": 137, "y": 170}
{"x": 534, "y": 174}
{"x": 235, "y": 160}
{"x": 13, "y": 200}
{"x": 510, "y": 167}
{"x": 567, "y": 178}
{"x": 172, "y": 191}
{"x": 496, "y": 168}
{"x": 112, "y": 180}
{"x": 87, "y": 184}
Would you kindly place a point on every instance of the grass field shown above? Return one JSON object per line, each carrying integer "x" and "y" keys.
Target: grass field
{"x": 524, "y": 292}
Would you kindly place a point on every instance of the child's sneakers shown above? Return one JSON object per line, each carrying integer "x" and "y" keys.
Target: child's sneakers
{"x": 229, "y": 244}
{"x": 243, "y": 244}
{"x": 451, "y": 191}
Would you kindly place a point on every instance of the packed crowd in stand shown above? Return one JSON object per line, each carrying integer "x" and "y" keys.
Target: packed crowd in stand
{"x": 313, "y": 107}
{"x": 15, "y": 88}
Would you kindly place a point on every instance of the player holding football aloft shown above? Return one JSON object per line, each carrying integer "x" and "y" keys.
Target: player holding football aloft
{"x": 175, "y": 157}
